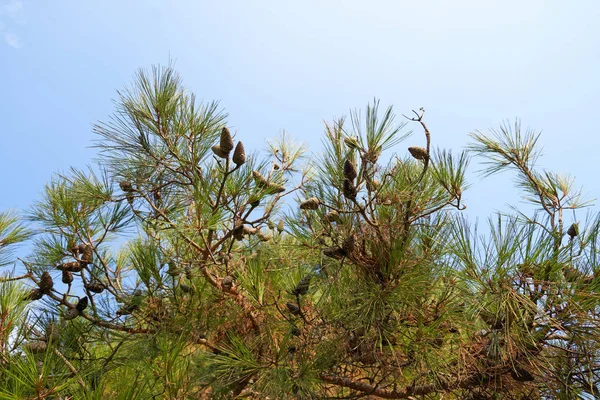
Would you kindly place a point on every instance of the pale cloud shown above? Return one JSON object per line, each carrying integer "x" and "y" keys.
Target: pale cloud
{"x": 13, "y": 40}
{"x": 11, "y": 13}
{"x": 12, "y": 9}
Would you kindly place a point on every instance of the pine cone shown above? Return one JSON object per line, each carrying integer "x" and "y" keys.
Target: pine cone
{"x": 310, "y": 204}
{"x": 227, "y": 283}
{"x": 82, "y": 304}
{"x": 293, "y": 308}
{"x": 67, "y": 277}
{"x": 126, "y": 186}
{"x": 332, "y": 216}
{"x": 35, "y": 346}
{"x": 295, "y": 331}
{"x": 71, "y": 313}
{"x": 573, "y": 231}
{"x": 35, "y": 294}
{"x": 46, "y": 284}
{"x": 248, "y": 230}
{"x": 334, "y": 252}
{"x": 51, "y": 333}
{"x": 418, "y": 152}
{"x": 350, "y": 170}
{"x": 173, "y": 269}
{"x": 264, "y": 237}
{"x": 185, "y": 288}
{"x": 274, "y": 188}
{"x": 280, "y": 226}
{"x": 260, "y": 180}
{"x": 351, "y": 142}
{"x": 219, "y": 152}
{"x": 521, "y": 375}
{"x": 188, "y": 272}
{"x": 254, "y": 200}
{"x": 95, "y": 287}
{"x": 239, "y": 154}
{"x": 226, "y": 142}
{"x": 349, "y": 190}
{"x": 348, "y": 245}
{"x": 302, "y": 286}
{"x": 73, "y": 266}
{"x": 87, "y": 253}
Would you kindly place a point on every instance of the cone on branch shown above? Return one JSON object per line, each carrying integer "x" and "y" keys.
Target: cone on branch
{"x": 35, "y": 294}
{"x": 293, "y": 308}
{"x": 254, "y": 200}
{"x": 280, "y": 226}
{"x": 351, "y": 142}
{"x": 173, "y": 269}
{"x": 418, "y": 152}
{"x": 95, "y": 287}
{"x": 46, "y": 283}
{"x": 350, "y": 170}
{"x": 67, "y": 277}
{"x": 295, "y": 331}
{"x": 188, "y": 272}
{"x": 86, "y": 252}
{"x": 310, "y": 204}
{"x": 126, "y": 186}
{"x": 73, "y": 266}
{"x": 227, "y": 283}
{"x": 348, "y": 245}
{"x": 274, "y": 188}
{"x": 302, "y": 286}
{"x": 239, "y": 154}
{"x": 573, "y": 231}
{"x": 334, "y": 252}
{"x": 82, "y": 304}
{"x": 70, "y": 314}
{"x": 219, "y": 152}
{"x": 520, "y": 374}
{"x": 332, "y": 216}
{"x": 260, "y": 180}
{"x": 226, "y": 142}
{"x": 35, "y": 346}
{"x": 349, "y": 190}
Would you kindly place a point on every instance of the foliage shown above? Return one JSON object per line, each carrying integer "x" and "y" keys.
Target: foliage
{"x": 182, "y": 266}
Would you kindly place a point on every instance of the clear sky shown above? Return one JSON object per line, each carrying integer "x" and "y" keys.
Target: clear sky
{"x": 290, "y": 65}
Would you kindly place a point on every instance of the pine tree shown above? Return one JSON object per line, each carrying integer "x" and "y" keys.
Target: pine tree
{"x": 175, "y": 276}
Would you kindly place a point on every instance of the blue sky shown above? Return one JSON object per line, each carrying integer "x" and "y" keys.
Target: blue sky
{"x": 290, "y": 65}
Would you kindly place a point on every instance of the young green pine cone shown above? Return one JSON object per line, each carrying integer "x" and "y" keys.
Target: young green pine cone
{"x": 226, "y": 142}
{"x": 310, "y": 204}
{"x": 46, "y": 284}
{"x": 350, "y": 170}
{"x": 418, "y": 152}
{"x": 173, "y": 270}
{"x": 274, "y": 188}
{"x": 280, "y": 226}
{"x": 349, "y": 190}
{"x": 351, "y": 142}
{"x": 260, "y": 180}
{"x": 219, "y": 152}
{"x": 239, "y": 154}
